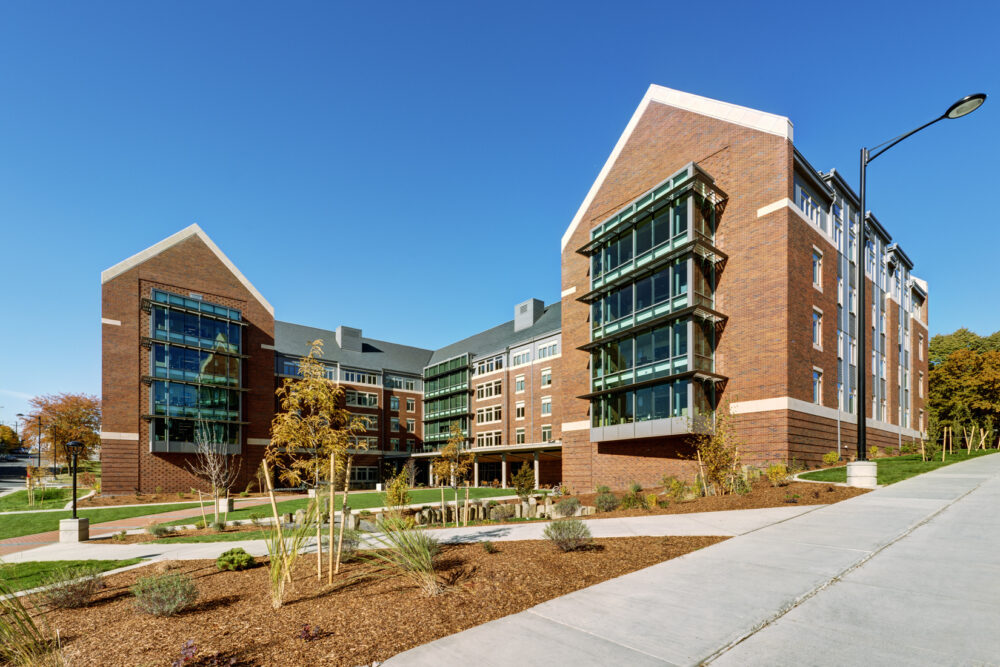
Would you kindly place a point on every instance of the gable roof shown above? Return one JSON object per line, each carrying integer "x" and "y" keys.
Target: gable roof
{"x": 731, "y": 113}
{"x": 376, "y": 355}
{"x": 502, "y": 336}
{"x": 183, "y": 235}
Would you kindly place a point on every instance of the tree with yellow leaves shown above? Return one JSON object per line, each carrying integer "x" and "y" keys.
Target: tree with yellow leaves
{"x": 313, "y": 436}
{"x": 453, "y": 464}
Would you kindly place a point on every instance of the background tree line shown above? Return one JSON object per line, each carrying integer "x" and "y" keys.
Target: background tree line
{"x": 964, "y": 383}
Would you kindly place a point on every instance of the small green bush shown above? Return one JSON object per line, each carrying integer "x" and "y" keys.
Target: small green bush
{"x": 158, "y": 529}
{"x": 567, "y": 506}
{"x": 777, "y": 474}
{"x": 164, "y": 594}
{"x": 651, "y": 501}
{"x": 830, "y": 458}
{"x": 568, "y": 534}
{"x": 489, "y": 547}
{"x": 502, "y": 512}
{"x": 602, "y": 489}
{"x": 71, "y": 587}
{"x": 606, "y": 502}
{"x": 257, "y": 518}
{"x": 674, "y": 488}
{"x": 631, "y": 501}
{"x": 234, "y": 559}
{"x": 218, "y": 526}
{"x": 635, "y": 488}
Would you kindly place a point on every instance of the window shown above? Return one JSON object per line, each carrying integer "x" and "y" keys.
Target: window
{"x": 920, "y": 384}
{"x": 394, "y": 444}
{"x": 358, "y": 377}
{"x": 394, "y": 403}
{"x": 394, "y": 381}
{"x": 488, "y": 365}
{"x": 489, "y": 389}
{"x": 519, "y": 384}
{"x": 411, "y": 405}
{"x": 489, "y": 439}
{"x": 520, "y": 358}
{"x": 853, "y": 306}
{"x": 370, "y": 420}
{"x": 361, "y": 399}
{"x": 817, "y": 386}
{"x": 409, "y": 384}
{"x": 840, "y": 395}
{"x": 550, "y": 350}
{"x": 817, "y": 265}
{"x": 519, "y": 436}
{"x": 840, "y": 344}
{"x": 854, "y": 352}
{"x": 920, "y": 346}
{"x": 546, "y": 432}
{"x": 394, "y": 424}
{"x": 411, "y": 426}
{"x": 546, "y": 377}
{"x": 488, "y": 415}
{"x": 546, "y": 405}
{"x": 519, "y": 410}
{"x": 818, "y": 328}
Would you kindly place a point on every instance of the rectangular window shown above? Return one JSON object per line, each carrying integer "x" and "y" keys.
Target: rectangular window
{"x": 519, "y": 384}
{"x": 840, "y": 344}
{"x": 357, "y": 377}
{"x": 817, "y": 329}
{"x": 361, "y": 399}
{"x": 394, "y": 403}
{"x": 488, "y": 365}
{"x": 546, "y": 377}
{"x": 489, "y": 439}
{"x": 411, "y": 426}
{"x": 546, "y": 405}
{"x": 840, "y": 395}
{"x": 920, "y": 384}
{"x": 519, "y": 410}
{"x": 411, "y": 405}
{"x": 488, "y": 389}
{"x": 394, "y": 444}
{"x": 920, "y": 346}
{"x": 817, "y": 386}
{"x": 409, "y": 384}
{"x": 488, "y": 415}
{"x": 817, "y": 269}
{"x": 395, "y": 424}
{"x": 546, "y": 432}
{"x": 550, "y": 350}
{"x": 519, "y": 436}
{"x": 520, "y": 358}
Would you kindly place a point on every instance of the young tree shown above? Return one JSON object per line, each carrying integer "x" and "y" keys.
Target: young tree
{"x": 524, "y": 481}
{"x": 65, "y": 417}
{"x": 312, "y": 435}
{"x": 717, "y": 448}
{"x": 213, "y": 463}
{"x": 453, "y": 463}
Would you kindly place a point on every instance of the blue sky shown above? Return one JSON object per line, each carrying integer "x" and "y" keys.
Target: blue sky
{"x": 409, "y": 168}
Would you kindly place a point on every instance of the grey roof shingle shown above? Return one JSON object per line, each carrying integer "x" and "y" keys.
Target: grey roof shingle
{"x": 378, "y": 355}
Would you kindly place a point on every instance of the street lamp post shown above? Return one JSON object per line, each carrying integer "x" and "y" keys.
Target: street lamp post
{"x": 39, "y": 443}
{"x": 962, "y": 107}
{"x": 73, "y": 449}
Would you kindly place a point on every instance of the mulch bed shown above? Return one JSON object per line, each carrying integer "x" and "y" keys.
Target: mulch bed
{"x": 762, "y": 495}
{"x": 360, "y": 620}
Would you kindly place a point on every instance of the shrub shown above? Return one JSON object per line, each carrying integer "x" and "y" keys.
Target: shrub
{"x": 567, "y": 506}
{"x": 257, "y": 518}
{"x": 397, "y": 493}
{"x": 524, "y": 481}
{"x": 180, "y": 495}
{"x": 218, "y": 526}
{"x": 718, "y": 449}
{"x": 932, "y": 449}
{"x": 489, "y": 547}
{"x": 502, "y": 512}
{"x": 602, "y": 489}
{"x": 632, "y": 501}
{"x": 674, "y": 488}
{"x": 119, "y": 536}
{"x": 164, "y": 594}
{"x": 22, "y": 642}
{"x": 159, "y": 490}
{"x": 650, "y": 501}
{"x": 234, "y": 559}
{"x": 874, "y": 451}
{"x": 777, "y": 474}
{"x": 71, "y": 587}
{"x": 830, "y": 458}
{"x": 244, "y": 494}
{"x": 568, "y": 534}
{"x": 409, "y": 552}
{"x": 606, "y": 502}
{"x": 635, "y": 488}
{"x": 158, "y": 529}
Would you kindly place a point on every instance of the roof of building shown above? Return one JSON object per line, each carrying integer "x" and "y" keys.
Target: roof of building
{"x": 376, "y": 355}
{"x": 503, "y": 336}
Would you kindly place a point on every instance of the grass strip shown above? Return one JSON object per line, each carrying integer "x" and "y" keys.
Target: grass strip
{"x": 24, "y": 576}
{"x": 19, "y": 525}
{"x": 894, "y": 469}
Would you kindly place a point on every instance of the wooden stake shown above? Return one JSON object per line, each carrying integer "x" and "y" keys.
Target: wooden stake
{"x": 319, "y": 536}
{"x": 701, "y": 471}
{"x": 343, "y": 514}
{"x": 333, "y": 496}
{"x": 466, "y": 503}
{"x": 444, "y": 510}
{"x": 277, "y": 521}
{"x": 204, "y": 519}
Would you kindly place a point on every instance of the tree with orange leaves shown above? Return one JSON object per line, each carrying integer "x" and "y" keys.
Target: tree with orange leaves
{"x": 65, "y": 417}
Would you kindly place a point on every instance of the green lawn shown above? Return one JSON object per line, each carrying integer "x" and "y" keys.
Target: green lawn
{"x": 897, "y": 468}
{"x": 357, "y": 501}
{"x": 17, "y": 525}
{"x": 52, "y": 498}
{"x": 23, "y": 576}
{"x": 217, "y": 537}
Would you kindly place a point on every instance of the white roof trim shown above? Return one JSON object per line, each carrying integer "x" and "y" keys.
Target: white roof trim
{"x": 731, "y": 113}
{"x": 187, "y": 232}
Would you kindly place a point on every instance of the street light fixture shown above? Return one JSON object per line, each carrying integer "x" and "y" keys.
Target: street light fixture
{"x": 74, "y": 448}
{"x": 962, "y": 107}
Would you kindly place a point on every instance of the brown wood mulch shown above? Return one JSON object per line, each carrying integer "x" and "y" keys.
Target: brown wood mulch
{"x": 762, "y": 495}
{"x": 360, "y": 619}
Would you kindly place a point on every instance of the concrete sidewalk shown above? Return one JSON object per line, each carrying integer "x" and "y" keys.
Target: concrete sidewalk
{"x": 728, "y": 523}
{"x": 907, "y": 574}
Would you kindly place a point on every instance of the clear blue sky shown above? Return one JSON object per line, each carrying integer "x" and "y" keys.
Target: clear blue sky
{"x": 410, "y": 168}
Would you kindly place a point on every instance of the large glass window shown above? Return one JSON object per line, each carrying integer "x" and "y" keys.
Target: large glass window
{"x": 659, "y": 401}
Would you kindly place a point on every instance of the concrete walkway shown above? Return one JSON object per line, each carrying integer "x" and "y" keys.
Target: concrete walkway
{"x": 907, "y": 574}
{"x": 737, "y": 522}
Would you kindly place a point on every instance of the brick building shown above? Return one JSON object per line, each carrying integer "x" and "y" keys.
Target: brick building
{"x": 709, "y": 265}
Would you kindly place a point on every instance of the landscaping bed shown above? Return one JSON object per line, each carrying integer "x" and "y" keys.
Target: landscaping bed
{"x": 359, "y": 620}
{"x": 762, "y": 494}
